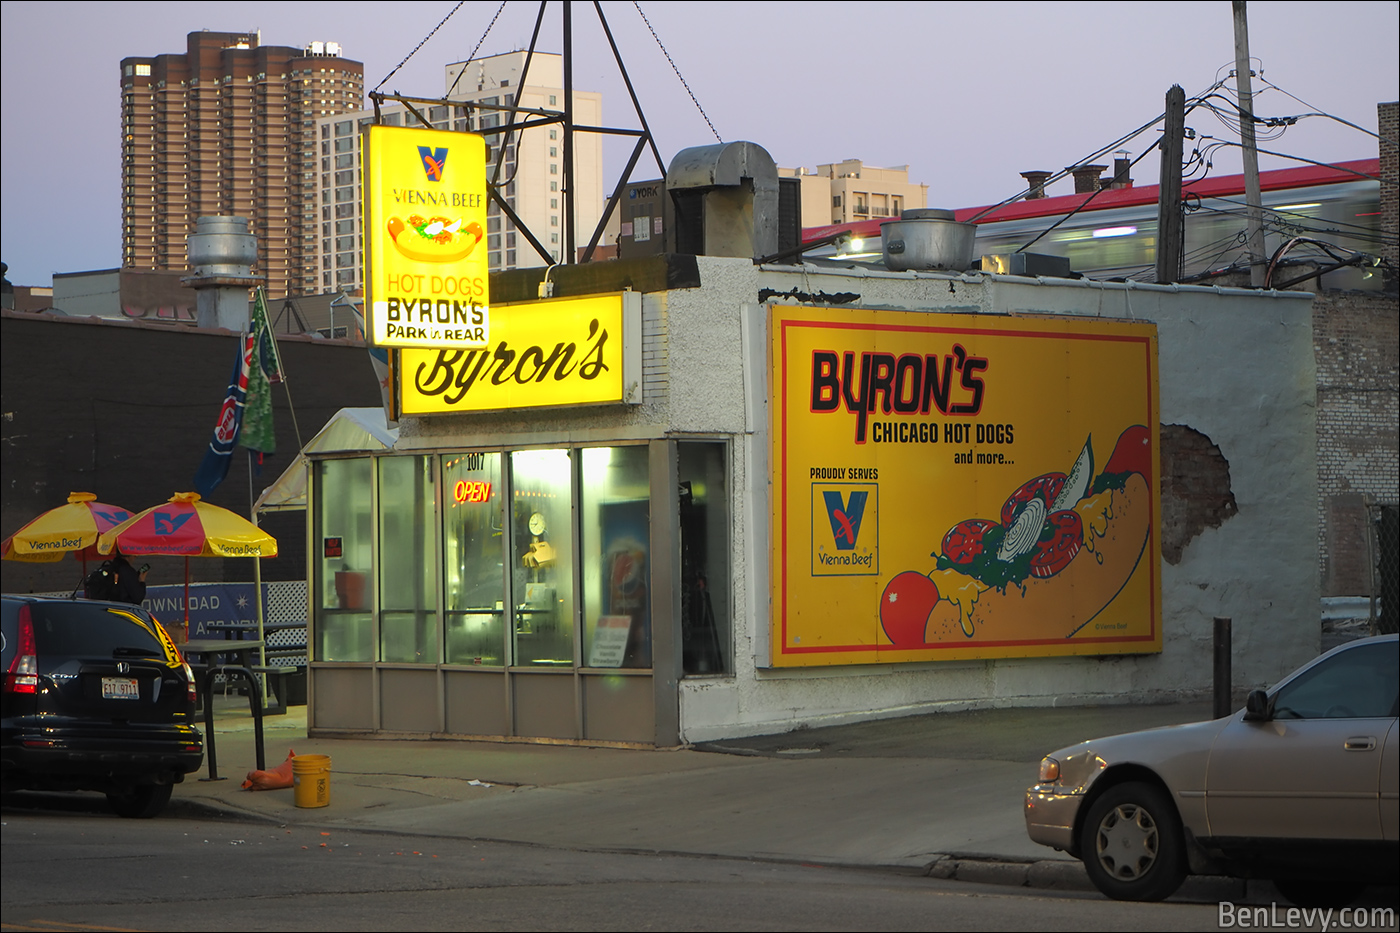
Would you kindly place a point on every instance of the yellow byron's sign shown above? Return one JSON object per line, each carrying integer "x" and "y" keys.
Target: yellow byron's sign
{"x": 563, "y": 351}
{"x": 424, "y": 222}
{"x": 962, "y": 486}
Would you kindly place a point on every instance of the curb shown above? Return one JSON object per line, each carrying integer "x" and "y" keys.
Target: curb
{"x": 1067, "y": 875}
{"x": 1048, "y": 874}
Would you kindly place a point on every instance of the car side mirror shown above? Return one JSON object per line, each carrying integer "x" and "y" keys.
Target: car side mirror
{"x": 1258, "y": 707}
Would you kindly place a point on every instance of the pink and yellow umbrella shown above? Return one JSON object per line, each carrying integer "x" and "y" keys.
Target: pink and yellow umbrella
{"x": 188, "y": 527}
{"x": 69, "y": 529}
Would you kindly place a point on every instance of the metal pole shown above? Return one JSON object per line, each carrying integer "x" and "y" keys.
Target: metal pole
{"x": 1223, "y": 674}
{"x": 1255, "y": 238}
{"x": 257, "y": 581}
{"x": 569, "y": 257}
{"x": 1169, "y": 220}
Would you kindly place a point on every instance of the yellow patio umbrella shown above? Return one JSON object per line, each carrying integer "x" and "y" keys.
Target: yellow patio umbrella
{"x": 67, "y": 529}
{"x": 188, "y": 527}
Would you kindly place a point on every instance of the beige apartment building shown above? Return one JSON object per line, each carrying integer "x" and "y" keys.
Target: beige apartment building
{"x": 841, "y": 192}
{"x": 227, "y": 127}
{"x": 531, "y": 173}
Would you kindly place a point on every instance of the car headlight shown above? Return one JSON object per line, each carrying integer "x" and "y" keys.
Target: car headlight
{"x": 1049, "y": 771}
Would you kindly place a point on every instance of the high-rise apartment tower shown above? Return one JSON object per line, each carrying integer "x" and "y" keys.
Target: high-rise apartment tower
{"x": 228, "y": 127}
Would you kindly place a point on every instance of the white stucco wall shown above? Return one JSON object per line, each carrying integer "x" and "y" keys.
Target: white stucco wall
{"x": 1234, "y": 365}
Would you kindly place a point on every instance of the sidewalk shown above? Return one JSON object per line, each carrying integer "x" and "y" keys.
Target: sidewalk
{"x": 938, "y": 794}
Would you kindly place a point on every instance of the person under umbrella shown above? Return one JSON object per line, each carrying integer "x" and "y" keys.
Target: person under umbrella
{"x": 130, "y": 582}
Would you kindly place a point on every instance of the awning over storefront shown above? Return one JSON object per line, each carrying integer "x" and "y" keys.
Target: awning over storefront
{"x": 349, "y": 429}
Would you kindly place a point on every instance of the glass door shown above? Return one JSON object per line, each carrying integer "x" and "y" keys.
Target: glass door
{"x": 473, "y": 542}
{"x": 542, "y": 559}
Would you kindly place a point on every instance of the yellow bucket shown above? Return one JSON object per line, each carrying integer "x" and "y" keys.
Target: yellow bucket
{"x": 311, "y": 780}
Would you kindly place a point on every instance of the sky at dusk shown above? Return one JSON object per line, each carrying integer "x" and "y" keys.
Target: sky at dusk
{"x": 967, "y": 94}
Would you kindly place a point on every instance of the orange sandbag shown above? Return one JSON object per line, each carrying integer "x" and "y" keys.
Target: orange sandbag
{"x": 274, "y": 779}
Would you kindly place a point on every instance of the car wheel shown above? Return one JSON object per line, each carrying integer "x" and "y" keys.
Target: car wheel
{"x": 1312, "y": 893}
{"x": 140, "y": 801}
{"x": 1132, "y": 844}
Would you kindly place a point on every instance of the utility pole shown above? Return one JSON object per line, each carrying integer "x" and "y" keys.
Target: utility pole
{"x": 1254, "y": 243}
{"x": 1169, "y": 220}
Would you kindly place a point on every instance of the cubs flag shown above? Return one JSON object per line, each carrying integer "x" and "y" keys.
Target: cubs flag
{"x": 214, "y": 468}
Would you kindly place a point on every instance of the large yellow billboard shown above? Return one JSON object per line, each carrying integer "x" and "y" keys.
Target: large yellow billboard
{"x": 424, "y": 222}
{"x": 544, "y": 354}
{"x": 952, "y": 486}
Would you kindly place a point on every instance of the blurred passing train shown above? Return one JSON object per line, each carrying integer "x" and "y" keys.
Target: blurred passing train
{"x": 1114, "y": 236}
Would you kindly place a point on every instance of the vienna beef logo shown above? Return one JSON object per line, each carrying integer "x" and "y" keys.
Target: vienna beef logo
{"x": 845, "y": 516}
{"x": 453, "y": 373}
{"x": 851, "y": 513}
{"x": 434, "y": 161}
{"x": 907, "y": 384}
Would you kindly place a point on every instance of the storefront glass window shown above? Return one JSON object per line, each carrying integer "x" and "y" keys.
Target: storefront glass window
{"x": 614, "y": 521}
{"x": 542, "y": 597}
{"x": 473, "y": 550}
{"x": 407, "y": 561}
{"x": 344, "y": 626}
{"x": 705, "y": 557}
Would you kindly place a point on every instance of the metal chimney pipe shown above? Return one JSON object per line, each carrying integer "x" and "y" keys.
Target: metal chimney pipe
{"x": 222, "y": 251}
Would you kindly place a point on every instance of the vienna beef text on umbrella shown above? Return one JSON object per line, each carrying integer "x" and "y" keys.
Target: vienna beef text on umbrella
{"x": 186, "y": 526}
{"x": 72, "y": 528}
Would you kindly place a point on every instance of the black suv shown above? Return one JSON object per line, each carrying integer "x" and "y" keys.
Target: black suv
{"x": 95, "y": 697}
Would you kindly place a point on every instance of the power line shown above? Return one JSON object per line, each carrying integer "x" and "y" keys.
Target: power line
{"x": 1116, "y": 144}
{"x": 1080, "y": 207}
{"x": 474, "y": 50}
{"x": 677, "y": 70}
{"x": 1295, "y": 158}
{"x": 421, "y": 44}
{"x": 1320, "y": 112}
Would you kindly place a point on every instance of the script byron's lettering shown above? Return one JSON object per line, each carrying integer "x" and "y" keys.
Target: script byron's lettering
{"x": 453, "y": 373}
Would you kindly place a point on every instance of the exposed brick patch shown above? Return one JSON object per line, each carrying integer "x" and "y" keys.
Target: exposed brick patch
{"x": 1356, "y": 344}
{"x": 1196, "y": 492}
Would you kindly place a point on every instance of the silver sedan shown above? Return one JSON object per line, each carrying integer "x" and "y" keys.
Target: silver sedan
{"x": 1301, "y": 786}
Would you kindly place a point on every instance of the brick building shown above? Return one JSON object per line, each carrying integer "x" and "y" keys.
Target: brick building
{"x": 1356, "y": 340}
{"x": 226, "y": 127}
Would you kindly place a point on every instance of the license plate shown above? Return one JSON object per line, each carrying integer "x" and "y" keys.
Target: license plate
{"x": 120, "y": 688}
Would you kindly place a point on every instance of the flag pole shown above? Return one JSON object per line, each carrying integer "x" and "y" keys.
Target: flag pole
{"x": 259, "y": 329}
{"x": 257, "y": 584}
{"x": 286, "y": 386}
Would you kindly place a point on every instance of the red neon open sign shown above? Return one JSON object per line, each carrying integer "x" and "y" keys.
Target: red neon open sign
{"x": 472, "y": 491}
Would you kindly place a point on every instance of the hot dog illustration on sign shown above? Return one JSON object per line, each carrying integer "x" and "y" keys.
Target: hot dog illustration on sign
{"x": 434, "y": 239}
{"x": 1061, "y": 550}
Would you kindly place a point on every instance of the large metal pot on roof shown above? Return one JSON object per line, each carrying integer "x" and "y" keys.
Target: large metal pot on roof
{"x": 928, "y": 238}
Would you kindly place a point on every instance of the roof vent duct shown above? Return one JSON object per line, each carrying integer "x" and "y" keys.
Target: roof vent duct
{"x": 928, "y": 238}
{"x": 726, "y": 200}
